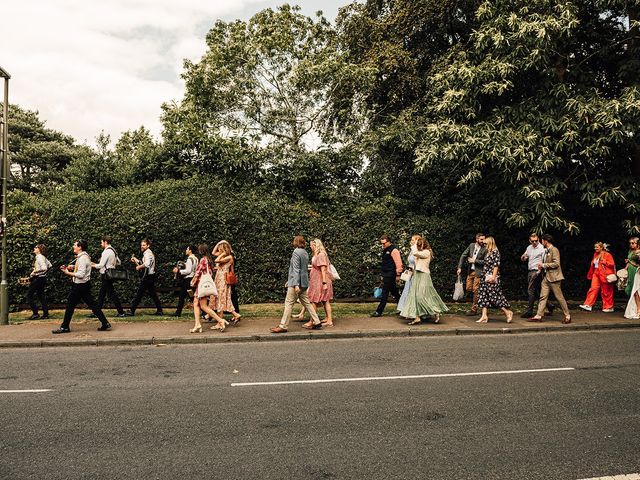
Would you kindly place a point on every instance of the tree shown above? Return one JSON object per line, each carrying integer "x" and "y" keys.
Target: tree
{"x": 38, "y": 154}
{"x": 92, "y": 170}
{"x": 261, "y": 93}
{"x": 542, "y": 106}
{"x": 138, "y": 158}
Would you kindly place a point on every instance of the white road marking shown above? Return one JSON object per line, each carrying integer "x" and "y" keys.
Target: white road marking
{"x": 401, "y": 377}
{"x": 40, "y": 390}
{"x": 628, "y": 476}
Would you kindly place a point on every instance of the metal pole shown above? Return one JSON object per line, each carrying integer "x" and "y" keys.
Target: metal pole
{"x": 4, "y": 290}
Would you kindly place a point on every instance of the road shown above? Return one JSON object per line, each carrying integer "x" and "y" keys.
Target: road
{"x": 177, "y": 411}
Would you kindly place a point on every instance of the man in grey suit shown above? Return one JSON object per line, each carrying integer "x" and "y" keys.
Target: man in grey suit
{"x": 473, "y": 258}
{"x": 297, "y": 285}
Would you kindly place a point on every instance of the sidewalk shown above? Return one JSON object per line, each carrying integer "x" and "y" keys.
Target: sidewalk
{"x": 83, "y": 331}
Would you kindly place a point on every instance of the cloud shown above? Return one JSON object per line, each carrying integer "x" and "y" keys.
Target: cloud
{"x": 91, "y": 66}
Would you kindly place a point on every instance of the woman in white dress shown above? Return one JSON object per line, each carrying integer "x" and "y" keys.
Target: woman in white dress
{"x": 633, "y": 307}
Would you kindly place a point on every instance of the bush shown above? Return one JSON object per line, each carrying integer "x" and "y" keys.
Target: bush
{"x": 260, "y": 225}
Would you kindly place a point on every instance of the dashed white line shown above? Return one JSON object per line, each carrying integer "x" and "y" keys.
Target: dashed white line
{"x": 39, "y": 390}
{"x": 628, "y": 476}
{"x": 401, "y": 377}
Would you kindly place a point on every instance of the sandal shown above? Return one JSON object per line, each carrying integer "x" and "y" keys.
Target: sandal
{"x": 414, "y": 322}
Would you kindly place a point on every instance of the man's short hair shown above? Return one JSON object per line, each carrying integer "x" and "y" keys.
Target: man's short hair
{"x": 480, "y": 234}
{"x": 107, "y": 238}
{"x": 83, "y": 244}
{"x": 547, "y": 238}
{"x": 147, "y": 241}
{"x": 385, "y": 237}
{"x": 533, "y": 235}
{"x": 299, "y": 241}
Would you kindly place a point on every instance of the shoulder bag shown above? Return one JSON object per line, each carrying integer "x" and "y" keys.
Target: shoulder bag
{"x": 206, "y": 286}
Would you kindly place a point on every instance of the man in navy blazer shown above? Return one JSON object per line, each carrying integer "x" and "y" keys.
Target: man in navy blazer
{"x": 297, "y": 285}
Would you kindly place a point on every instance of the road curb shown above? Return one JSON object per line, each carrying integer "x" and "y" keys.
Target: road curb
{"x": 322, "y": 335}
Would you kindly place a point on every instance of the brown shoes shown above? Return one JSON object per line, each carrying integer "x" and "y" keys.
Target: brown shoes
{"x": 279, "y": 330}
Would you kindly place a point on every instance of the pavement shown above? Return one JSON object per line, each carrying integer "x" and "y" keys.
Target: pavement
{"x": 83, "y": 331}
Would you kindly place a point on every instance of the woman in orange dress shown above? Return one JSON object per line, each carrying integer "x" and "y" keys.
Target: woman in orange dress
{"x": 224, "y": 261}
{"x": 320, "y": 281}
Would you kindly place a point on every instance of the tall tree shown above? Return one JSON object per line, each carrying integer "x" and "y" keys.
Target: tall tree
{"x": 542, "y": 106}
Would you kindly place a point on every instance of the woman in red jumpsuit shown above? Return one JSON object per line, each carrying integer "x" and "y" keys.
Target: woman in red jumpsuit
{"x": 601, "y": 266}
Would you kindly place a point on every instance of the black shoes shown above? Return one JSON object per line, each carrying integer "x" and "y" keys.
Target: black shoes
{"x": 129, "y": 314}
{"x": 121, "y": 315}
{"x": 61, "y": 330}
{"x": 45, "y": 317}
{"x": 105, "y": 327}
{"x": 35, "y": 316}
{"x": 376, "y": 314}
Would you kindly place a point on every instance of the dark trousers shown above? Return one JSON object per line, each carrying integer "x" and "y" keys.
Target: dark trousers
{"x": 106, "y": 288}
{"x": 148, "y": 284}
{"x": 185, "y": 284}
{"x": 81, "y": 292}
{"x": 36, "y": 287}
{"x": 389, "y": 286}
{"x": 534, "y": 284}
{"x": 234, "y": 298}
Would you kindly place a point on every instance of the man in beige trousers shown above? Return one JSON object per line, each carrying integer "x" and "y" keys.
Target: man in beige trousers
{"x": 552, "y": 271}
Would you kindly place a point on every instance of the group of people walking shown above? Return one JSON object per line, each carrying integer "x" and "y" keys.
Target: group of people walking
{"x": 209, "y": 276}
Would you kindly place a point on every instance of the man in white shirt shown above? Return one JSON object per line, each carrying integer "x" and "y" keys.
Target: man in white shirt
{"x": 533, "y": 255}
{"x": 147, "y": 269}
{"x": 80, "y": 273}
{"x": 184, "y": 276}
{"x": 108, "y": 259}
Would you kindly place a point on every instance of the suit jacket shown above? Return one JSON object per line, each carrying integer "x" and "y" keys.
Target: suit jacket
{"x": 298, "y": 271}
{"x": 606, "y": 266}
{"x": 551, "y": 265}
{"x": 478, "y": 264}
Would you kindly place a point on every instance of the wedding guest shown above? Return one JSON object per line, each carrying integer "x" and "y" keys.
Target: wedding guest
{"x": 297, "y": 285}
{"x": 108, "y": 259}
{"x": 80, "y": 273}
{"x": 146, "y": 268}
{"x": 473, "y": 258}
{"x": 184, "y": 277}
{"x": 602, "y": 264}
{"x": 423, "y": 298}
{"x": 38, "y": 281}
{"x": 224, "y": 262}
{"x": 201, "y": 301}
{"x": 320, "y": 282}
{"x": 490, "y": 292}
{"x": 632, "y": 261}
{"x": 633, "y": 305}
{"x": 391, "y": 266}
{"x": 551, "y": 270}
{"x": 533, "y": 256}
{"x": 411, "y": 262}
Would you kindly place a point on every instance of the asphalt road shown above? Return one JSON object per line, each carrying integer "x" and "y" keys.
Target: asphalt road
{"x": 172, "y": 412}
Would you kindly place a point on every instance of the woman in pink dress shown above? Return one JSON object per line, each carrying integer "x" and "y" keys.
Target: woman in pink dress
{"x": 206, "y": 265}
{"x": 320, "y": 281}
{"x": 224, "y": 261}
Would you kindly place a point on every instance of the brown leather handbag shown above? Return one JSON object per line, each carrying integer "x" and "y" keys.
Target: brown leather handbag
{"x": 231, "y": 278}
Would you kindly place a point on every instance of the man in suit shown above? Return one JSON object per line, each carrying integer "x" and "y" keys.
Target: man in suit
{"x": 473, "y": 258}
{"x": 297, "y": 285}
{"x": 552, "y": 271}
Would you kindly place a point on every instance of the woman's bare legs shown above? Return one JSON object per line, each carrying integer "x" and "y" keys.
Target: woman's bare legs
{"x": 484, "y": 318}
{"x": 328, "y": 319}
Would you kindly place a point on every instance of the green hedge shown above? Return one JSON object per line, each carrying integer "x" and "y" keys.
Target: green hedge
{"x": 259, "y": 224}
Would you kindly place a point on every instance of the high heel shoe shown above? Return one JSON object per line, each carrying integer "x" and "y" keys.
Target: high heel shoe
{"x": 236, "y": 320}
{"x": 196, "y": 329}
{"x": 436, "y": 318}
{"x": 509, "y": 316}
{"x": 221, "y": 325}
{"x": 567, "y": 319}
{"x": 482, "y": 320}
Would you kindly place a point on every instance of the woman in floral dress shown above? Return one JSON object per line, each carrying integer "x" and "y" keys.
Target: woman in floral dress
{"x": 320, "y": 281}
{"x": 206, "y": 265}
{"x": 224, "y": 261}
{"x": 490, "y": 292}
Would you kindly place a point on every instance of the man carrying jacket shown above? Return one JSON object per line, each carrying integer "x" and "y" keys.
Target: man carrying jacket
{"x": 473, "y": 258}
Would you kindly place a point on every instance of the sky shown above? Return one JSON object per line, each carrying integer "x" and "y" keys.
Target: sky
{"x": 90, "y": 66}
